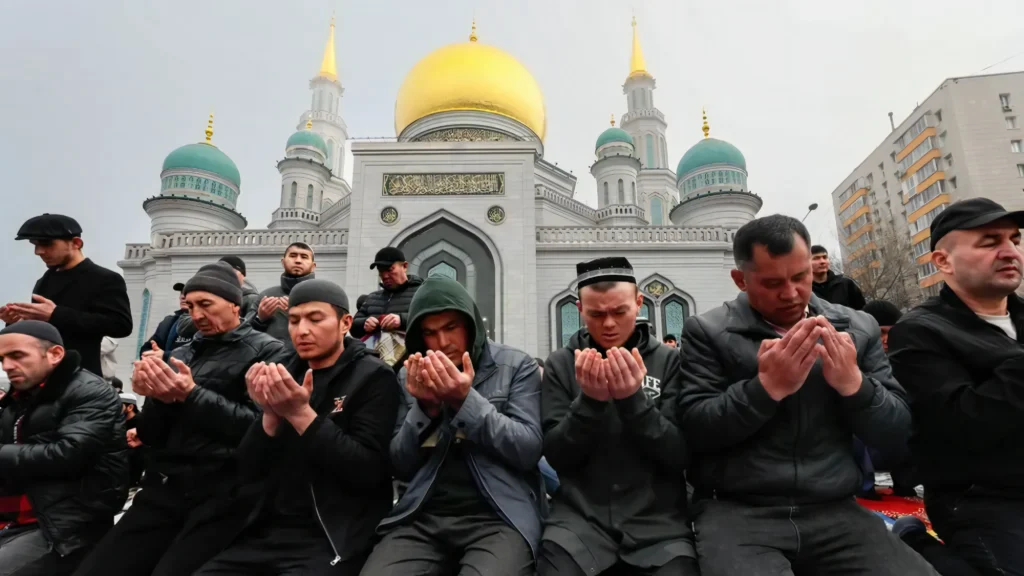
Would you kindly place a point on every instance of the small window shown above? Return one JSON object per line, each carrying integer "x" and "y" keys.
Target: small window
{"x": 938, "y": 115}
{"x": 309, "y": 197}
{"x": 952, "y": 182}
{"x": 949, "y": 161}
{"x": 622, "y": 192}
{"x": 1015, "y": 146}
{"x": 881, "y": 168}
{"x": 568, "y": 320}
{"x": 607, "y": 198}
{"x": 1011, "y": 122}
{"x": 294, "y": 195}
{"x": 1004, "y": 100}
{"x": 1020, "y": 170}
{"x": 633, "y": 184}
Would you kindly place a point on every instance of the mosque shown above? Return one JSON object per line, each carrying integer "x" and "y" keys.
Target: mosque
{"x": 466, "y": 191}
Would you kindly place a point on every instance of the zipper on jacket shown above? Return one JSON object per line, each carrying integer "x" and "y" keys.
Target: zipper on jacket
{"x": 337, "y": 557}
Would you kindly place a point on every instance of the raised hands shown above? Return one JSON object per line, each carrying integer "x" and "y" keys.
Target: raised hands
{"x": 415, "y": 384}
{"x": 839, "y": 360}
{"x": 40, "y": 309}
{"x": 278, "y": 393}
{"x": 154, "y": 350}
{"x": 783, "y": 364}
{"x": 434, "y": 379}
{"x": 619, "y": 375}
{"x": 269, "y": 305}
{"x": 255, "y": 385}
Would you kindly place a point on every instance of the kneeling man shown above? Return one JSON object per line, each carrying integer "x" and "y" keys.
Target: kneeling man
{"x": 322, "y": 444}
{"x": 775, "y": 385}
{"x": 468, "y": 440}
{"x": 608, "y": 403}
{"x": 63, "y": 455}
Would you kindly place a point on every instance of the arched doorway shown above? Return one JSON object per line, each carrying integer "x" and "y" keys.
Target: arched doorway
{"x": 445, "y": 248}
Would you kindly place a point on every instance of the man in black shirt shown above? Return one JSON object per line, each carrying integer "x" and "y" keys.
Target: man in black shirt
{"x": 832, "y": 287}
{"x": 85, "y": 302}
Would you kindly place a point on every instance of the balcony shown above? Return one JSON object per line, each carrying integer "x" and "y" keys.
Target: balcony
{"x": 300, "y": 214}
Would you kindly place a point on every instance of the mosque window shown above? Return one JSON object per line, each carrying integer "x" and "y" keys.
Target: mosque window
{"x": 568, "y": 320}
{"x": 282, "y": 194}
{"x": 633, "y": 184}
{"x": 443, "y": 270}
{"x": 607, "y": 198}
{"x": 312, "y": 105}
{"x": 657, "y": 212}
{"x": 622, "y": 192}
{"x": 309, "y": 197}
{"x": 673, "y": 313}
{"x": 649, "y": 145}
{"x": 294, "y": 195}
{"x": 143, "y": 321}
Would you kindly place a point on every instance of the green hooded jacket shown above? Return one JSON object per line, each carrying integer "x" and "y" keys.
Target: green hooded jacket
{"x": 440, "y": 295}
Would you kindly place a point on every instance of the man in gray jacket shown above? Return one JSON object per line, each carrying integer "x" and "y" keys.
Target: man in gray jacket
{"x": 775, "y": 385}
{"x": 468, "y": 439}
{"x": 272, "y": 312}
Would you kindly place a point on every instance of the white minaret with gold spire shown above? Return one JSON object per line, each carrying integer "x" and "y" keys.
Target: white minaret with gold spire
{"x": 325, "y": 111}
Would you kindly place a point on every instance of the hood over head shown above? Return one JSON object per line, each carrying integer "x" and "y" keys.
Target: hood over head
{"x": 440, "y": 295}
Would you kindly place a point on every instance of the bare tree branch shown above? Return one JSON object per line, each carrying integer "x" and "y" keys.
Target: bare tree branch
{"x": 885, "y": 269}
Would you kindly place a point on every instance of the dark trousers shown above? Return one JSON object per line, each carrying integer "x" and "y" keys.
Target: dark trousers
{"x": 268, "y": 550}
{"x": 467, "y": 546}
{"x": 24, "y": 551}
{"x": 986, "y": 529}
{"x": 811, "y": 540}
{"x": 168, "y": 531}
{"x": 555, "y": 561}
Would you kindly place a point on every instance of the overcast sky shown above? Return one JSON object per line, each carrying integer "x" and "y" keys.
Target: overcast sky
{"x": 94, "y": 94}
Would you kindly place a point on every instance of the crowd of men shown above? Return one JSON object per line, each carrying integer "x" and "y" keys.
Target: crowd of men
{"x": 288, "y": 432}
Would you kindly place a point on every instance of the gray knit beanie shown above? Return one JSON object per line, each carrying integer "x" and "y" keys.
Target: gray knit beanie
{"x": 218, "y": 279}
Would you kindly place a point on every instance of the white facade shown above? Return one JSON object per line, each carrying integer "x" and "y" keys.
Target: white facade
{"x": 469, "y": 195}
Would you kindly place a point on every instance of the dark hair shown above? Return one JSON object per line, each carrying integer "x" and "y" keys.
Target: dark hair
{"x": 774, "y": 232}
{"x": 339, "y": 311}
{"x": 669, "y": 338}
{"x": 116, "y": 383}
{"x": 303, "y": 246}
{"x": 884, "y": 312}
{"x": 818, "y": 249}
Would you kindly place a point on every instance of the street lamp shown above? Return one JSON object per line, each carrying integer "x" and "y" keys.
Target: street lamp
{"x": 810, "y": 209}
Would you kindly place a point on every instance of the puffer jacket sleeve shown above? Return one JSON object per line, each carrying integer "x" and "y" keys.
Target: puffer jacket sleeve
{"x": 88, "y": 428}
{"x": 359, "y": 319}
{"x": 878, "y": 412}
{"x": 413, "y": 426}
{"x": 223, "y": 417}
{"x": 513, "y": 435}
{"x": 570, "y": 418}
{"x": 715, "y": 413}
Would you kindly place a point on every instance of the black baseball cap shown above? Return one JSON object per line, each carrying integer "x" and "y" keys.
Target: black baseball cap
{"x": 386, "y": 257}
{"x": 178, "y": 286}
{"x": 970, "y": 214}
{"x": 49, "y": 227}
{"x": 235, "y": 262}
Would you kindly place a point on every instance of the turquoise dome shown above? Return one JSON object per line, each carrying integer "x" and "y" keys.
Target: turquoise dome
{"x": 613, "y": 134}
{"x": 206, "y": 157}
{"x": 307, "y": 138}
{"x": 707, "y": 152}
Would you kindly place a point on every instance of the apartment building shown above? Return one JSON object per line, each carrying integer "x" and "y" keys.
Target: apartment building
{"x": 963, "y": 141}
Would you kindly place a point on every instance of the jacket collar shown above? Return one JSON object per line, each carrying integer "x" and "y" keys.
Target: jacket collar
{"x": 743, "y": 319}
{"x": 54, "y": 386}
{"x": 949, "y": 298}
{"x": 239, "y": 333}
{"x": 411, "y": 280}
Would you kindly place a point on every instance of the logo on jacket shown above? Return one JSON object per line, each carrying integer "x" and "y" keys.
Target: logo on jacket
{"x": 652, "y": 387}
{"x": 339, "y": 405}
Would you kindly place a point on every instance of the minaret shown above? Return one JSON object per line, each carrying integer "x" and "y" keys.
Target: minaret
{"x": 642, "y": 120}
{"x": 325, "y": 110}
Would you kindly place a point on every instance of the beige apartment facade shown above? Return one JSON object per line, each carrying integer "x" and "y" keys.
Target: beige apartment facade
{"x": 964, "y": 141}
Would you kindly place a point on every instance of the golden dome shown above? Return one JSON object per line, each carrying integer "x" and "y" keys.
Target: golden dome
{"x": 470, "y": 76}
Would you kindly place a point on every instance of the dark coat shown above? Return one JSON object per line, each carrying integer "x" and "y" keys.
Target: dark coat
{"x": 162, "y": 335}
{"x": 386, "y": 301}
{"x": 341, "y": 462}
{"x": 839, "y": 289}
{"x": 250, "y": 301}
{"x": 750, "y": 448}
{"x": 92, "y": 302}
{"x": 199, "y": 436}
{"x": 965, "y": 378}
{"x": 277, "y": 324}
{"x": 620, "y": 463}
{"x": 70, "y": 457}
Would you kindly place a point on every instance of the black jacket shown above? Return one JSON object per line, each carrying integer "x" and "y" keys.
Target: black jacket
{"x": 386, "y": 301}
{"x": 620, "y": 463}
{"x": 198, "y": 436}
{"x": 839, "y": 289}
{"x": 748, "y": 447}
{"x": 92, "y": 302}
{"x": 250, "y": 301}
{"x": 965, "y": 378}
{"x": 70, "y": 456}
{"x": 277, "y": 324}
{"x": 341, "y": 463}
{"x": 163, "y": 332}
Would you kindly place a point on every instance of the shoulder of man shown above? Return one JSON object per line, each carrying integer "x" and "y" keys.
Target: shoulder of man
{"x": 84, "y": 386}
{"x": 507, "y": 355}
{"x": 713, "y": 322}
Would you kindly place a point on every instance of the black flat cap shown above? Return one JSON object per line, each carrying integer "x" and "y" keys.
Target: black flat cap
{"x": 386, "y": 257}
{"x": 235, "y": 262}
{"x": 49, "y": 227}
{"x": 178, "y": 286}
{"x": 35, "y": 328}
{"x": 612, "y": 269}
{"x": 970, "y": 214}
{"x": 318, "y": 290}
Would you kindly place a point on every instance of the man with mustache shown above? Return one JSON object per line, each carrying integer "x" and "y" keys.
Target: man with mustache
{"x": 196, "y": 413}
{"x": 961, "y": 357}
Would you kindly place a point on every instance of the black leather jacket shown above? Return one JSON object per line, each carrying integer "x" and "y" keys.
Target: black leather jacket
{"x": 200, "y": 435}
{"x": 68, "y": 454}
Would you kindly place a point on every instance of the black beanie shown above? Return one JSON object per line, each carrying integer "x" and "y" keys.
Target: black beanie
{"x": 35, "y": 328}
{"x": 884, "y": 312}
{"x": 318, "y": 290}
{"x": 218, "y": 279}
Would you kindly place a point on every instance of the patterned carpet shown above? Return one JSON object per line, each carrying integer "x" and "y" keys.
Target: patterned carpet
{"x": 892, "y": 507}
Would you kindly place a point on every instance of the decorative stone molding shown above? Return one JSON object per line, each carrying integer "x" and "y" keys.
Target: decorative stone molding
{"x": 389, "y": 215}
{"x": 465, "y": 135}
{"x": 295, "y": 214}
{"x": 565, "y": 202}
{"x": 456, "y": 252}
{"x": 495, "y": 215}
{"x": 444, "y": 184}
{"x": 665, "y": 235}
{"x": 250, "y": 238}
